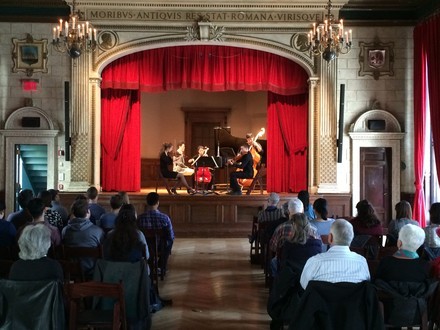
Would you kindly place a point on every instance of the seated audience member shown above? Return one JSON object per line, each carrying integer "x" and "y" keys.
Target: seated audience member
{"x": 34, "y": 265}
{"x": 81, "y": 232}
{"x": 321, "y": 222}
{"x": 7, "y": 229}
{"x": 51, "y": 216}
{"x": 126, "y": 242}
{"x": 297, "y": 250}
{"x": 338, "y": 264}
{"x": 124, "y": 196}
{"x": 22, "y": 217}
{"x": 96, "y": 210}
{"x": 304, "y": 197}
{"x": 107, "y": 220}
{"x": 432, "y": 240}
{"x": 285, "y": 230}
{"x": 272, "y": 212}
{"x": 36, "y": 209}
{"x": 366, "y": 221}
{"x": 154, "y": 219}
{"x": 403, "y": 217}
{"x": 57, "y": 206}
{"x": 404, "y": 277}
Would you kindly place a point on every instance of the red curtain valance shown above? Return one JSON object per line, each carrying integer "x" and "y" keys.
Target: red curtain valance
{"x": 206, "y": 68}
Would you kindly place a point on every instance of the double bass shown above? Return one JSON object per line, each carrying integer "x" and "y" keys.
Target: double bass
{"x": 256, "y": 158}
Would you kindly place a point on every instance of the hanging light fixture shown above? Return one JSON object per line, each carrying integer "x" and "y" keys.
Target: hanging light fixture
{"x": 329, "y": 38}
{"x": 74, "y": 36}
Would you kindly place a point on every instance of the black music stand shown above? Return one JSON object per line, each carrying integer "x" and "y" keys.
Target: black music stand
{"x": 209, "y": 162}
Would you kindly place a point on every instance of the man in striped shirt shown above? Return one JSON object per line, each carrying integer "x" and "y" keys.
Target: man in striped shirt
{"x": 338, "y": 264}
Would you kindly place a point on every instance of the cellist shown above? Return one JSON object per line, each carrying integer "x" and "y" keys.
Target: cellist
{"x": 243, "y": 161}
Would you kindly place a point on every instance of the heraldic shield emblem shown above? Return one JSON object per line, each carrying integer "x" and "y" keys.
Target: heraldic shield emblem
{"x": 376, "y": 58}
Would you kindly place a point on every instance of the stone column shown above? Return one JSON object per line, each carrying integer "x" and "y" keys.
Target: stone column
{"x": 82, "y": 122}
{"x": 313, "y": 136}
{"x": 327, "y": 120}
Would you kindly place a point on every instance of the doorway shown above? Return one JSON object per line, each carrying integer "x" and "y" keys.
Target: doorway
{"x": 375, "y": 180}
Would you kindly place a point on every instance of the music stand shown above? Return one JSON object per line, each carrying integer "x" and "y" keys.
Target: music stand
{"x": 209, "y": 162}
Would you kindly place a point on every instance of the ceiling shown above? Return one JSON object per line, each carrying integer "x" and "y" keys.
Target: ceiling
{"x": 357, "y": 12}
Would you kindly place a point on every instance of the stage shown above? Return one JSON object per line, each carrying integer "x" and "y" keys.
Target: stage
{"x": 213, "y": 215}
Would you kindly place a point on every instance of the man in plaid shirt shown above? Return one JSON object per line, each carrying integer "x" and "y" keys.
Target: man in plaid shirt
{"x": 154, "y": 219}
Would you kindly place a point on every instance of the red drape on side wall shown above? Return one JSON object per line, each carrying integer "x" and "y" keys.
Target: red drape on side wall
{"x": 120, "y": 140}
{"x": 426, "y": 77}
{"x": 287, "y": 142}
{"x": 217, "y": 68}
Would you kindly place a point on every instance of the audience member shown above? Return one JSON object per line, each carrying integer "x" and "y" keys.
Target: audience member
{"x": 432, "y": 240}
{"x": 304, "y": 197}
{"x": 57, "y": 206}
{"x": 107, "y": 220}
{"x": 403, "y": 279}
{"x": 126, "y": 242}
{"x": 297, "y": 250}
{"x": 154, "y": 219}
{"x": 34, "y": 265}
{"x": 22, "y": 217}
{"x": 51, "y": 216}
{"x": 285, "y": 230}
{"x": 96, "y": 210}
{"x": 82, "y": 232}
{"x": 37, "y": 209}
{"x": 322, "y": 223}
{"x": 7, "y": 229}
{"x": 403, "y": 217}
{"x": 338, "y": 264}
{"x": 272, "y": 212}
{"x": 124, "y": 196}
{"x": 405, "y": 265}
{"x": 366, "y": 221}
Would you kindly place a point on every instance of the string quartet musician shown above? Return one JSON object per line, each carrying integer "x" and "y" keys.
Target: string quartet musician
{"x": 202, "y": 151}
{"x": 250, "y": 140}
{"x": 244, "y": 162}
{"x": 166, "y": 161}
{"x": 179, "y": 165}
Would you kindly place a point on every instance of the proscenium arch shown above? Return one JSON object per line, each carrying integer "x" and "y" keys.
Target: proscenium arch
{"x": 134, "y": 47}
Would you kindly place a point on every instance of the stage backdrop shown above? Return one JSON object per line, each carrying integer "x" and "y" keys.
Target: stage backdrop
{"x": 207, "y": 68}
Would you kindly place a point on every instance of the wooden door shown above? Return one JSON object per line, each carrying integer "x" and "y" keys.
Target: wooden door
{"x": 375, "y": 184}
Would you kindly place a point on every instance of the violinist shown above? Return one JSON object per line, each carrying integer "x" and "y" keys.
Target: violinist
{"x": 243, "y": 161}
{"x": 179, "y": 161}
{"x": 165, "y": 162}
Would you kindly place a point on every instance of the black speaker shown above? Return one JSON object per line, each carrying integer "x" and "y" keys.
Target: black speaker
{"x": 341, "y": 122}
{"x": 30, "y": 122}
{"x": 67, "y": 120}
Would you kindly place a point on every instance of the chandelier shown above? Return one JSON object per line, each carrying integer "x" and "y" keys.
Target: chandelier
{"x": 74, "y": 36}
{"x": 329, "y": 38}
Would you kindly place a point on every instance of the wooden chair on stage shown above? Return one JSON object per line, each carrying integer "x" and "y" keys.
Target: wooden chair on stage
{"x": 165, "y": 181}
{"x": 258, "y": 180}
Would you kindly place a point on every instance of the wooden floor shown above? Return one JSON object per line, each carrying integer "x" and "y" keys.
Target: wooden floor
{"x": 213, "y": 286}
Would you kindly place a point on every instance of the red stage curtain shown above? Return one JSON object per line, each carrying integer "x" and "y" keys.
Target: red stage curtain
{"x": 287, "y": 142}
{"x": 120, "y": 140}
{"x": 219, "y": 68}
{"x": 419, "y": 124}
{"x": 426, "y": 84}
{"x": 206, "y": 68}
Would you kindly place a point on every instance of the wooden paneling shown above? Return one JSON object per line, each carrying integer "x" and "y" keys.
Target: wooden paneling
{"x": 215, "y": 215}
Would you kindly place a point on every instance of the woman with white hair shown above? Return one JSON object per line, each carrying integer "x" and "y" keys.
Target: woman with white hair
{"x": 34, "y": 265}
{"x": 405, "y": 265}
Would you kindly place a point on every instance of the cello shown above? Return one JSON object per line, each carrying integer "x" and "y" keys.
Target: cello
{"x": 203, "y": 173}
{"x": 256, "y": 158}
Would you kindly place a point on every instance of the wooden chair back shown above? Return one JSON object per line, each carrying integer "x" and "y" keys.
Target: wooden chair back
{"x": 93, "y": 318}
{"x": 156, "y": 242}
{"x": 258, "y": 180}
{"x": 71, "y": 260}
